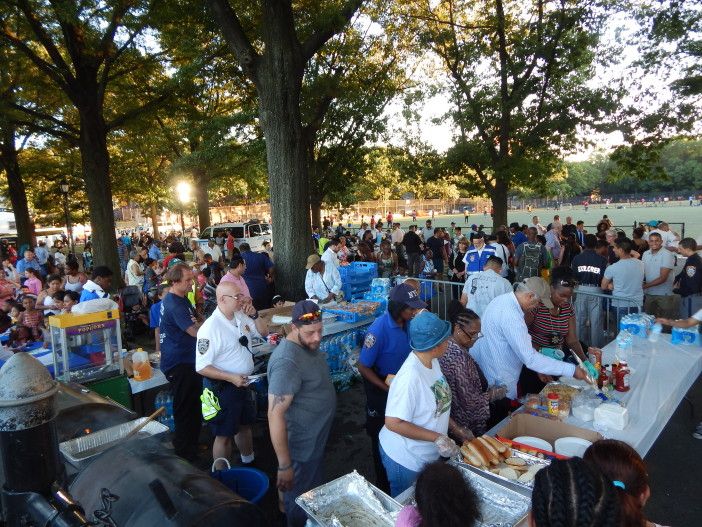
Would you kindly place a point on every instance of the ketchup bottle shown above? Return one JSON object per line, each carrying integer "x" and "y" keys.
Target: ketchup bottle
{"x": 621, "y": 377}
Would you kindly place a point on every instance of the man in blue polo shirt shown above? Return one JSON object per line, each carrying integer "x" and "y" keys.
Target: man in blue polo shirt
{"x": 385, "y": 348}
{"x": 98, "y": 285}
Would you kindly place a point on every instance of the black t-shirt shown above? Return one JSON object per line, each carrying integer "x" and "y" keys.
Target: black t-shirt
{"x": 569, "y": 228}
{"x": 589, "y": 268}
{"x": 690, "y": 277}
{"x": 412, "y": 242}
{"x": 436, "y": 245}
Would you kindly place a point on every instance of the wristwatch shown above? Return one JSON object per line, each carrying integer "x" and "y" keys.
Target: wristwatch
{"x": 254, "y": 316}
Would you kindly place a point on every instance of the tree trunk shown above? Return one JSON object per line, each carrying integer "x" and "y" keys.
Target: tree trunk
{"x": 95, "y": 161}
{"x": 280, "y": 81}
{"x": 153, "y": 213}
{"x": 16, "y": 188}
{"x": 316, "y": 209}
{"x": 315, "y": 191}
{"x": 499, "y": 203}
{"x": 202, "y": 183}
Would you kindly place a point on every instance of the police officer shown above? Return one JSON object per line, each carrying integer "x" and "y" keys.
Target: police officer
{"x": 385, "y": 348}
{"x": 478, "y": 253}
{"x": 225, "y": 359}
{"x": 589, "y": 268}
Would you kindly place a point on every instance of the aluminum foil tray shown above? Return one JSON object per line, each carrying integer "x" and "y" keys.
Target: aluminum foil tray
{"x": 74, "y": 449}
{"x": 349, "y": 501}
{"x": 528, "y": 458}
{"x": 500, "y": 505}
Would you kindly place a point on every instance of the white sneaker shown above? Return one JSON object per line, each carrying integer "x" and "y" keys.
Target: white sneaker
{"x": 697, "y": 434}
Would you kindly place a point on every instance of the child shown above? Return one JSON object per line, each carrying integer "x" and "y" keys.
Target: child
{"x": 33, "y": 282}
{"x": 32, "y": 317}
{"x": 150, "y": 278}
{"x": 428, "y": 269}
{"x": 155, "y": 314}
{"x": 70, "y": 299}
{"x": 20, "y": 336}
{"x": 45, "y": 300}
{"x": 15, "y": 310}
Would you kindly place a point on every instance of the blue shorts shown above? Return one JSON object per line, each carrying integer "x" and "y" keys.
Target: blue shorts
{"x": 237, "y": 408}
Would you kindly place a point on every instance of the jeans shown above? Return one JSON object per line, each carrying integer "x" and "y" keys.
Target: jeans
{"x": 401, "y": 478}
{"x": 307, "y": 475}
{"x": 589, "y": 308}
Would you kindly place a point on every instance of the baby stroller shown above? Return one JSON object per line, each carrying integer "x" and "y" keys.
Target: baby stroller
{"x": 136, "y": 318}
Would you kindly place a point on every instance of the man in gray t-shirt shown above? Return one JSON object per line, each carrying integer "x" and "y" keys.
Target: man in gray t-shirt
{"x": 625, "y": 279}
{"x": 658, "y": 268}
{"x": 301, "y": 407}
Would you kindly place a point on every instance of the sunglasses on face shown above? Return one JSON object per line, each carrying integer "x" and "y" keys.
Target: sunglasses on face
{"x": 309, "y": 317}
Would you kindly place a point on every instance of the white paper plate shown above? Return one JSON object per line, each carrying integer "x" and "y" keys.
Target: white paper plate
{"x": 534, "y": 442}
{"x": 280, "y": 320}
{"x": 572, "y": 446}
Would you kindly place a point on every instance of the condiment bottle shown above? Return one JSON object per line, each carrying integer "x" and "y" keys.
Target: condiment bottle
{"x": 142, "y": 367}
{"x": 553, "y": 400}
{"x": 621, "y": 377}
{"x": 603, "y": 379}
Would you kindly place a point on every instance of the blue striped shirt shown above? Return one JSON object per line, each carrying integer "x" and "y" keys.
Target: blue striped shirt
{"x": 506, "y": 346}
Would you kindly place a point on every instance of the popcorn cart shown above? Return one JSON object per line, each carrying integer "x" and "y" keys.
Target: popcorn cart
{"x": 86, "y": 347}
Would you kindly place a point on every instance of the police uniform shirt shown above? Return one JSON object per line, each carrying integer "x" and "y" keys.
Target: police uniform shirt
{"x": 690, "y": 277}
{"x": 385, "y": 347}
{"x": 219, "y": 345}
{"x": 589, "y": 268}
{"x": 482, "y": 287}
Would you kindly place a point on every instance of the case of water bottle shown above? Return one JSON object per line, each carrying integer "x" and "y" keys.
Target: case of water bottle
{"x": 342, "y": 350}
{"x": 165, "y": 399}
{"x": 638, "y": 324}
{"x": 686, "y": 336}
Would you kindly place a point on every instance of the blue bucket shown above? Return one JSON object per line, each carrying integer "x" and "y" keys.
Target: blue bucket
{"x": 249, "y": 483}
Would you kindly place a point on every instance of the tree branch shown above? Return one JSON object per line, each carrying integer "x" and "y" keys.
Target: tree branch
{"x": 333, "y": 26}
{"x": 46, "y": 117}
{"x": 119, "y": 121}
{"x": 236, "y": 37}
{"x": 49, "y": 131}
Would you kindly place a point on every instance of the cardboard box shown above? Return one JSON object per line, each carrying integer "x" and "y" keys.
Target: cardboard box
{"x": 285, "y": 311}
{"x": 549, "y": 430}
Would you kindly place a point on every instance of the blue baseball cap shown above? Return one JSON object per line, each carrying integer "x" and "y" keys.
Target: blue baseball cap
{"x": 406, "y": 294}
{"x": 426, "y": 331}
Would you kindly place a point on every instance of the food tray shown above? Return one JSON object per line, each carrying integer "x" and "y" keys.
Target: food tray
{"x": 528, "y": 459}
{"x": 73, "y": 448}
{"x": 349, "y": 501}
{"x": 501, "y": 504}
{"x": 347, "y": 315}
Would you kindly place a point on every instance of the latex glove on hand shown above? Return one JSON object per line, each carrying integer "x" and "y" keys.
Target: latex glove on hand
{"x": 496, "y": 392}
{"x": 446, "y": 446}
{"x": 591, "y": 370}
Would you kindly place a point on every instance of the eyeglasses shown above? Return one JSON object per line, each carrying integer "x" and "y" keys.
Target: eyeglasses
{"x": 310, "y": 317}
{"x": 471, "y": 336}
{"x": 235, "y": 297}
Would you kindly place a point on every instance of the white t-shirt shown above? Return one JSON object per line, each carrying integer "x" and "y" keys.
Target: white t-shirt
{"x": 215, "y": 251}
{"x": 420, "y": 396}
{"x": 218, "y": 343}
{"x": 480, "y": 288}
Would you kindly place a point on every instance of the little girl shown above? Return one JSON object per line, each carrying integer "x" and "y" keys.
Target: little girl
{"x": 32, "y": 318}
{"x": 15, "y": 311}
{"x": 33, "y": 281}
{"x": 70, "y": 299}
{"x": 428, "y": 269}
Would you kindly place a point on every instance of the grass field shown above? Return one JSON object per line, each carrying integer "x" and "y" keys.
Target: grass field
{"x": 622, "y": 218}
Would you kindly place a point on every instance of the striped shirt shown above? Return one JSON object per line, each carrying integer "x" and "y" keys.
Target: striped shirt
{"x": 506, "y": 347}
{"x": 547, "y": 330}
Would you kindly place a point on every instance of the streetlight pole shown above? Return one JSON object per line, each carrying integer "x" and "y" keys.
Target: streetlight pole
{"x": 69, "y": 227}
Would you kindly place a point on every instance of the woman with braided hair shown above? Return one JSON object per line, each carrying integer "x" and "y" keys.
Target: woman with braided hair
{"x": 621, "y": 464}
{"x": 573, "y": 494}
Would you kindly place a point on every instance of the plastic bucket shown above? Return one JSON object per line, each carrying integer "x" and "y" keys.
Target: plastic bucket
{"x": 249, "y": 483}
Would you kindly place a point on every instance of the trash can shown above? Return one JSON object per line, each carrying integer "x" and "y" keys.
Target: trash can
{"x": 249, "y": 483}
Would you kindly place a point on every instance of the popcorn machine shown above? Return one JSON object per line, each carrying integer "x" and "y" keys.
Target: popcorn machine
{"x": 86, "y": 347}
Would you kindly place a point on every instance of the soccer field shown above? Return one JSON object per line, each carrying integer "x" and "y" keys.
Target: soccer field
{"x": 623, "y": 218}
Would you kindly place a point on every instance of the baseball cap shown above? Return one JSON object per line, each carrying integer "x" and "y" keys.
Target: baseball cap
{"x": 408, "y": 295}
{"x": 426, "y": 331}
{"x": 538, "y": 285}
{"x": 311, "y": 260}
{"x": 306, "y": 312}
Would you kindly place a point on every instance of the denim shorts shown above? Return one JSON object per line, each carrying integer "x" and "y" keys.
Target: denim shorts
{"x": 400, "y": 478}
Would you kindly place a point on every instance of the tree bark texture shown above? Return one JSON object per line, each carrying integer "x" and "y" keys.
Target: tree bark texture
{"x": 95, "y": 161}
{"x": 16, "y": 188}
{"x": 202, "y": 183}
{"x": 499, "y": 203}
{"x": 153, "y": 214}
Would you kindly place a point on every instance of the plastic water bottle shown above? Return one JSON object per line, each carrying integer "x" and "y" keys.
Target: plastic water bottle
{"x": 624, "y": 344}
{"x": 655, "y": 333}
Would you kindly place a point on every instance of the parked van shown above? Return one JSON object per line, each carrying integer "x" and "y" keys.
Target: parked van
{"x": 252, "y": 232}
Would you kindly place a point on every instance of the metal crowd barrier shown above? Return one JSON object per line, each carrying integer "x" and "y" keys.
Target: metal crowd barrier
{"x": 438, "y": 294}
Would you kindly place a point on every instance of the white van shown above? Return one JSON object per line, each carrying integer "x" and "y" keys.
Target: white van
{"x": 252, "y": 232}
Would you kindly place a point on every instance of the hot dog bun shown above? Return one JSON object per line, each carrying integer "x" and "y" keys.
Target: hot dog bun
{"x": 494, "y": 455}
{"x": 497, "y": 445}
{"x": 484, "y": 452}
{"x": 469, "y": 456}
{"x": 477, "y": 453}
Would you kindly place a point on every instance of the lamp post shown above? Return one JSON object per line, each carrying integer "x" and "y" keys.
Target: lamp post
{"x": 183, "y": 189}
{"x": 69, "y": 227}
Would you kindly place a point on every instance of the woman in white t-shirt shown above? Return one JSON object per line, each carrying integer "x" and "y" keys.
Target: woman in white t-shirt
{"x": 418, "y": 407}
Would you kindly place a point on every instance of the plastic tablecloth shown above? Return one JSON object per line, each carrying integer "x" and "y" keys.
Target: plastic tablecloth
{"x": 661, "y": 375}
{"x": 157, "y": 379}
{"x": 45, "y": 356}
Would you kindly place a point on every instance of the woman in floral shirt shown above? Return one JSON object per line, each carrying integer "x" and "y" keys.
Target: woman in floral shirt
{"x": 470, "y": 408}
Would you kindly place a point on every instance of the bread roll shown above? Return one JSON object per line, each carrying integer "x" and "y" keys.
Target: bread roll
{"x": 470, "y": 457}
{"x": 477, "y": 453}
{"x": 484, "y": 452}
{"x": 494, "y": 454}
{"x": 497, "y": 445}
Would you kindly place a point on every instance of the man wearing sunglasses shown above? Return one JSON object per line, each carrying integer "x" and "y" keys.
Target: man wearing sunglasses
{"x": 225, "y": 359}
{"x": 301, "y": 407}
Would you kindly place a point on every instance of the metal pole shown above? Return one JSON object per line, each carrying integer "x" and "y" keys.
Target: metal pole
{"x": 69, "y": 227}
{"x": 182, "y": 226}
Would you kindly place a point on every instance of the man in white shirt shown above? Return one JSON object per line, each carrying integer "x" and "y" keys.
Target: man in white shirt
{"x": 397, "y": 234}
{"x": 427, "y": 231}
{"x": 481, "y": 287}
{"x": 330, "y": 256}
{"x": 362, "y": 230}
{"x": 659, "y": 277}
{"x": 670, "y": 238}
{"x": 322, "y": 282}
{"x": 225, "y": 359}
{"x": 540, "y": 229}
{"x": 506, "y": 343}
{"x": 213, "y": 250}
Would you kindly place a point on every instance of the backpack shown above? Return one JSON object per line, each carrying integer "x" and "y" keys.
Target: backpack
{"x": 530, "y": 262}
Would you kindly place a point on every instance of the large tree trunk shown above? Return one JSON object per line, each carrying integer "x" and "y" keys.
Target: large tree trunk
{"x": 16, "y": 188}
{"x": 95, "y": 161}
{"x": 499, "y": 203}
{"x": 316, "y": 209}
{"x": 280, "y": 81}
{"x": 202, "y": 183}
{"x": 153, "y": 214}
{"x": 315, "y": 192}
